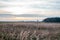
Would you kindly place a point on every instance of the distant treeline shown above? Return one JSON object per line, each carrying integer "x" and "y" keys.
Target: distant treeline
{"x": 54, "y": 19}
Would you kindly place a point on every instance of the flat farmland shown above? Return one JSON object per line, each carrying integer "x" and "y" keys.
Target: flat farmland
{"x": 29, "y": 31}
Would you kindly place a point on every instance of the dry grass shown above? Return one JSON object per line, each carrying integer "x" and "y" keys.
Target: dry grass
{"x": 30, "y": 31}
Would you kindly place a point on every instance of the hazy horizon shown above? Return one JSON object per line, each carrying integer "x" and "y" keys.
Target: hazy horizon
{"x": 28, "y": 9}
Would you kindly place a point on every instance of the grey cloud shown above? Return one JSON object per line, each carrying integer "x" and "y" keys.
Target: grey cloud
{"x": 21, "y": 15}
{"x": 52, "y": 7}
{"x": 31, "y": 0}
{"x": 6, "y": 15}
{"x": 30, "y": 15}
{"x": 27, "y": 15}
{"x": 1, "y": 6}
{"x": 55, "y": 5}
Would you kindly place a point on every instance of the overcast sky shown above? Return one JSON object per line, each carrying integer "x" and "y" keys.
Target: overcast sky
{"x": 29, "y": 9}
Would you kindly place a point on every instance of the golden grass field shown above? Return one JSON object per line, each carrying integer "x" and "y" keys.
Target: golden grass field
{"x": 29, "y": 31}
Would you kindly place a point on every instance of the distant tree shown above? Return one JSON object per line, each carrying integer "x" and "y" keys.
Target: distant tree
{"x": 54, "y": 19}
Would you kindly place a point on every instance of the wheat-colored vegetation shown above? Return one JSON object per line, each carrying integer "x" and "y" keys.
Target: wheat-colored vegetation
{"x": 29, "y": 31}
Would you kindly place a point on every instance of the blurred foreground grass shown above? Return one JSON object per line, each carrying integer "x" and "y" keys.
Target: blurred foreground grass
{"x": 29, "y": 31}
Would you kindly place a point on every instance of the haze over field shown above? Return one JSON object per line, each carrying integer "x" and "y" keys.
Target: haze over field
{"x": 29, "y": 19}
{"x": 29, "y": 9}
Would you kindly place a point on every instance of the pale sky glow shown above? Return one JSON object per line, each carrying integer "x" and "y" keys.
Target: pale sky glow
{"x": 43, "y": 9}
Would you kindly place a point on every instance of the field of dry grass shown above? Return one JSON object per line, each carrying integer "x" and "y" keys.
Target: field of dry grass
{"x": 29, "y": 31}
